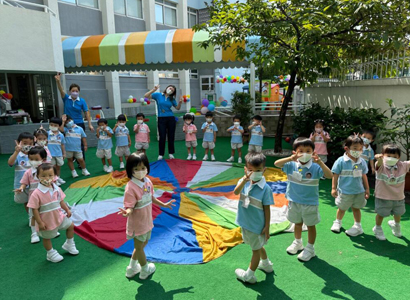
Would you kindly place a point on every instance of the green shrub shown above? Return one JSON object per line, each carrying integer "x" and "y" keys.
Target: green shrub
{"x": 241, "y": 105}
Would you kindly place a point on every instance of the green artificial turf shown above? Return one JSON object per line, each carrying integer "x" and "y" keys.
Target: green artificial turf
{"x": 345, "y": 268}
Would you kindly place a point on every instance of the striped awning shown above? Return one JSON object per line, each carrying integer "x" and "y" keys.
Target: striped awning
{"x": 148, "y": 50}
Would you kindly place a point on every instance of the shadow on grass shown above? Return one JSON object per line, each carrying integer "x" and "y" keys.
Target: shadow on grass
{"x": 266, "y": 289}
{"x": 150, "y": 289}
{"x": 336, "y": 280}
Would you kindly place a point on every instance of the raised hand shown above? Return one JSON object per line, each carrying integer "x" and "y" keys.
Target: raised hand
{"x": 169, "y": 204}
{"x": 316, "y": 158}
{"x": 296, "y": 155}
{"x": 58, "y": 77}
{"x": 18, "y": 147}
{"x": 247, "y": 176}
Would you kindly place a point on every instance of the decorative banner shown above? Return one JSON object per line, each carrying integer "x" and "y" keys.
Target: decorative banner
{"x": 266, "y": 88}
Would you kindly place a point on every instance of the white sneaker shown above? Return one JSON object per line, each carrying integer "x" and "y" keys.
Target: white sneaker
{"x": 194, "y": 157}
{"x": 171, "y": 156}
{"x": 307, "y": 254}
{"x": 240, "y": 160}
{"x": 70, "y": 248}
{"x": 34, "y": 238}
{"x": 74, "y": 173}
{"x": 354, "y": 231}
{"x": 395, "y": 229}
{"x": 205, "y": 157}
{"x": 378, "y": 233}
{"x": 57, "y": 183}
{"x": 230, "y": 159}
{"x": 241, "y": 275}
{"x": 294, "y": 248}
{"x": 212, "y": 157}
{"x": 105, "y": 168}
{"x": 85, "y": 172}
{"x": 336, "y": 226}
{"x": 148, "y": 271}
{"x": 110, "y": 169}
{"x": 160, "y": 157}
{"x": 60, "y": 180}
{"x": 265, "y": 267}
{"x": 189, "y": 157}
{"x": 131, "y": 272}
{"x": 122, "y": 165}
{"x": 54, "y": 256}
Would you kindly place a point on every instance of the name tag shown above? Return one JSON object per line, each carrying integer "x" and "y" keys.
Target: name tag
{"x": 245, "y": 203}
{"x": 297, "y": 176}
{"x": 357, "y": 173}
{"x": 190, "y": 131}
{"x": 209, "y": 130}
{"x": 392, "y": 181}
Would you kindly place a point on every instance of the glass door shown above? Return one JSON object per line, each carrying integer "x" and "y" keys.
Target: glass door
{"x": 43, "y": 86}
{"x": 207, "y": 86}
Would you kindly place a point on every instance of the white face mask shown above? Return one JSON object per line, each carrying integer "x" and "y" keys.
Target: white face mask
{"x": 256, "y": 176}
{"x": 140, "y": 121}
{"x": 169, "y": 91}
{"x": 366, "y": 141}
{"x": 305, "y": 157}
{"x": 355, "y": 154}
{"x": 35, "y": 163}
{"x": 121, "y": 124}
{"x": 26, "y": 148}
{"x": 139, "y": 174}
{"x": 53, "y": 128}
{"x": 103, "y": 127}
{"x": 318, "y": 130}
{"x": 188, "y": 122}
{"x": 42, "y": 143}
{"x": 209, "y": 120}
{"x": 236, "y": 124}
{"x": 390, "y": 161}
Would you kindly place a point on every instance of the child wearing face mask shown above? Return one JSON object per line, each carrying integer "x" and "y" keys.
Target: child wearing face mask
{"x": 46, "y": 202}
{"x": 350, "y": 186}
{"x": 138, "y": 199}
{"x": 142, "y": 138}
{"x": 368, "y": 153}
{"x": 304, "y": 168}
{"x": 320, "y": 137}
{"x": 389, "y": 192}
{"x": 122, "y": 139}
{"x": 210, "y": 129}
{"x": 56, "y": 145}
{"x": 104, "y": 135}
{"x": 257, "y": 131}
{"x": 190, "y": 135}
{"x": 254, "y": 215}
{"x": 236, "y": 138}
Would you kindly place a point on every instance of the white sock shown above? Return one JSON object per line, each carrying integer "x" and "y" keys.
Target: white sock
{"x": 70, "y": 241}
{"x": 49, "y": 251}
{"x": 249, "y": 272}
{"x": 265, "y": 261}
{"x": 358, "y": 224}
{"x": 339, "y": 221}
{"x": 145, "y": 267}
{"x": 309, "y": 245}
{"x": 299, "y": 241}
{"x": 33, "y": 229}
{"x": 378, "y": 226}
{"x": 133, "y": 263}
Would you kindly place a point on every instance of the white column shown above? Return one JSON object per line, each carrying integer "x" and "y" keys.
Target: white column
{"x": 148, "y": 7}
{"x": 108, "y": 20}
{"x": 252, "y": 86}
{"x": 184, "y": 81}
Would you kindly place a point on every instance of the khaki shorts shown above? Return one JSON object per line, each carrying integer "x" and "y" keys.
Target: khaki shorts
{"x": 302, "y": 213}
{"x": 344, "y": 202}
{"x": 190, "y": 144}
{"x": 122, "y": 151}
{"x": 140, "y": 146}
{"x": 385, "y": 208}
{"x": 57, "y": 160}
{"x": 208, "y": 145}
{"x": 104, "y": 153}
{"x": 71, "y": 154}
{"x": 255, "y": 148}
{"x": 21, "y": 197}
{"x": 323, "y": 158}
{"x": 143, "y": 237}
{"x": 236, "y": 145}
{"x": 50, "y": 234}
{"x": 256, "y": 241}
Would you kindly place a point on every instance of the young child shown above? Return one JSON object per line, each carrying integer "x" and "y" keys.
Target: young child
{"x": 138, "y": 199}
{"x": 41, "y": 139}
{"x": 254, "y": 214}
{"x": 304, "y": 169}
{"x": 56, "y": 145}
{"x": 190, "y": 135}
{"x": 123, "y": 140}
{"x": 349, "y": 185}
{"x": 209, "y": 128}
{"x": 73, "y": 136}
{"x": 320, "y": 137}
{"x": 46, "y": 203}
{"x": 368, "y": 153}
{"x": 236, "y": 139}
{"x": 389, "y": 193}
{"x": 257, "y": 131}
{"x": 104, "y": 135}
{"x": 142, "y": 131}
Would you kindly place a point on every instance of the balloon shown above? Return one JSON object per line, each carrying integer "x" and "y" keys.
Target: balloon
{"x": 231, "y": 81}
{"x": 134, "y": 100}
{"x": 217, "y": 103}
{"x": 130, "y": 97}
{"x": 237, "y": 78}
{"x": 211, "y": 107}
{"x": 234, "y": 80}
{"x": 287, "y": 139}
{"x": 223, "y": 81}
{"x": 374, "y": 77}
{"x": 205, "y": 102}
{"x": 97, "y": 116}
{"x": 193, "y": 110}
{"x": 148, "y": 102}
{"x": 2, "y": 92}
{"x": 141, "y": 100}
{"x": 221, "y": 76}
{"x": 144, "y": 103}
{"x": 217, "y": 81}
{"x": 224, "y": 103}
{"x": 188, "y": 96}
{"x": 204, "y": 110}
{"x": 198, "y": 114}
{"x": 187, "y": 100}
{"x": 221, "y": 99}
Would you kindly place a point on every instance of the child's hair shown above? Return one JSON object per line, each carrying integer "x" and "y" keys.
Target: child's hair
{"x": 353, "y": 139}
{"x": 257, "y": 117}
{"x": 45, "y": 167}
{"x": 134, "y": 160}
{"x": 122, "y": 117}
{"x": 391, "y": 149}
{"x": 140, "y": 115}
{"x": 174, "y": 93}
{"x": 40, "y": 131}
{"x": 303, "y": 141}
{"x": 209, "y": 114}
{"x": 255, "y": 159}
{"x": 25, "y": 135}
{"x": 68, "y": 118}
{"x": 319, "y": 121}
{"x": 74, "y": 85}
{"x": 237, "y": 117}
{"x": 56, "y": 120}
{"x": 189, "y": 116}
{"x": 38, "y": 150}
{"x": 372, "y": 133}
{"x": 102, "y": 121}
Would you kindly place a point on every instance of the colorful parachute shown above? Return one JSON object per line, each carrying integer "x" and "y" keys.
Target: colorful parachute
{"x": 199, "y": 229}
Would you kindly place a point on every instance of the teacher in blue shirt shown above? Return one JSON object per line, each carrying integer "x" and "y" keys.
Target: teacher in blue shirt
{"x": 166, "y": 119}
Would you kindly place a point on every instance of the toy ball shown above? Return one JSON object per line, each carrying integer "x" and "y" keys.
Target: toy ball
{"x": 375, "y": 77}
{"x": 204, "y": 110}
{"x": 197, "y": 114}
{"x": 224, "y": 103}
{"x": 211, "y": 107}
{"x": 287, "y": 139}
{"x": 205, "y": 102}
{"x": 2, "y": 92}
{"x": 97, "y": 116}
{"x": 193, "y": 110}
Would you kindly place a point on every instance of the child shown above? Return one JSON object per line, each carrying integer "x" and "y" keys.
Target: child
{"x": 368, "y": 153}
{"x": 303, "y": 193}
{"x": 122, "y": 138}
{"x": 320, "y": 137}
{"x": 190, "y": 135}
{"x": 389, "y": 193}
{"x": 236, "y": 139}
{"x": 56, "y": 145}
{"x": 209, "y": 128}
{"x": 46, "y": 203}
{"x": 142, "y": 131}
{"x": 349, "y": 185}
{"x": 254, "y": 219}
{"x": 138, "y": 199}
{"x": 104, "y": 134}
{"x": 257, "y": 131}
{"x": 41, "y": 137}
{"x": 73, "y": 136}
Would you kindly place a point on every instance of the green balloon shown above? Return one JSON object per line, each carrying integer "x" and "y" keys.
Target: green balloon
{"x": 212, "y": 102}
{"x": 217, "y": 103}
{"x": 192, "y": 110}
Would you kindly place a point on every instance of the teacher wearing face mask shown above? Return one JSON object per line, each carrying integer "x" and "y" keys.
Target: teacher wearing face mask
{"x": 166, "y": 119}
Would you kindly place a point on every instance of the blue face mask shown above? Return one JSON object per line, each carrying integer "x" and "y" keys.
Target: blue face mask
{"x": 70, "y": 124}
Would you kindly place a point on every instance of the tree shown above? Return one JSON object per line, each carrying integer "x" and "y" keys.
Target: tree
{"x": 307, "y": 37}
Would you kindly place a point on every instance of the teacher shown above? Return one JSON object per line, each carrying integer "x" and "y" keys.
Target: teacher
{"x": 166, "y": 119}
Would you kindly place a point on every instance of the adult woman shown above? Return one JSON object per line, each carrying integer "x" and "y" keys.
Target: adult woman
{"x": 166, "y": 119}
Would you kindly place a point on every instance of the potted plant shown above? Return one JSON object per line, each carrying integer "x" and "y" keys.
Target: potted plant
{"x": 396, "y": 130}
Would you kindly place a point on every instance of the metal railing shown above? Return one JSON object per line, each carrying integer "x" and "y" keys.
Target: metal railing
{"x": 21, "y": 4}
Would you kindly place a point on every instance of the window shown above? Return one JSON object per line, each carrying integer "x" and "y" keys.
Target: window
{"x": 192, "y": 17}
{"x": 87, "y": 3}
{"x": 166, "y": 13}
{"x": 131, "y": 8}
{"x": 133, "y": 73}
{"x": 168, "y": 74}
{"x": 193, "y": 74}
